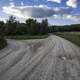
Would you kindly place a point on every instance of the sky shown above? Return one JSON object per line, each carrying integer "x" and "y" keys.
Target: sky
{"x": 58, "y": 12}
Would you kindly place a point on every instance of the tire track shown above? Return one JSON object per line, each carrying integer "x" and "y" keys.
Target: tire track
{"x": 53, "y": 58}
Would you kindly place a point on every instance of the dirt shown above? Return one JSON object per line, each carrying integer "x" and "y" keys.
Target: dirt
{"x": 53, "y": 58}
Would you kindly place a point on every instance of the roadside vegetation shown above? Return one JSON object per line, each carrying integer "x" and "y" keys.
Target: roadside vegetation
{"x": 32, "y": 29}
{"x": 3, "y": 43}
{"x": 71, "y": 36}
{"x": 24, "y": 37}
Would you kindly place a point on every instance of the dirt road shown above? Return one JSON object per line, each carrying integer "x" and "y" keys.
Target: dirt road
{"x": 52, "y": 58}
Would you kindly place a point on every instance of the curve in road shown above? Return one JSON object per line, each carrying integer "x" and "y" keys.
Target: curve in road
{"x": 53, "y": 58}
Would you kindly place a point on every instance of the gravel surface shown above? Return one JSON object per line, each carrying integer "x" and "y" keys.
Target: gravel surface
{"x": 53, "y": 58}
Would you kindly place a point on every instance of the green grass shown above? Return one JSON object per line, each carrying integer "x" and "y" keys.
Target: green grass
{"x": 74, "y": 37}
{"x": 24, "y": 37}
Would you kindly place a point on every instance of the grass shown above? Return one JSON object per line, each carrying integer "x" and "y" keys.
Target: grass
{"x": 24, "y": 37}
{"x": 74, "y": 37}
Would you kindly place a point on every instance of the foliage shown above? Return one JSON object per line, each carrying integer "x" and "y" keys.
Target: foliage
{"x": 3, "y": 42}
{"x": 24, "y": 37}
{"x": 65, "y": 28}
{"x": 11, "y": 26}
{"x": 31, "y": 27}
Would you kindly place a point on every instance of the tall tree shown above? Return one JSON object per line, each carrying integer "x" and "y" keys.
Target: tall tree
{"x": 11, "y": 26}
{"x": 44, "y": 25}
{"x": 2, "y": 28}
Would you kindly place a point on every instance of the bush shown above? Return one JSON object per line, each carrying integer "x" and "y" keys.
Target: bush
{"x": 3, "y": 42}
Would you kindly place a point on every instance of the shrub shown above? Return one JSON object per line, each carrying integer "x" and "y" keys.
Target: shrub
{"x": 3, "y": 42}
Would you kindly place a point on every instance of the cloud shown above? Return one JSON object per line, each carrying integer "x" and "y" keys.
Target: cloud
{"x": 10, "y": 0}
{"x": 16, "y": 12}
{"x": 40, "y": 11}
{"x": 22, "y": 3}
{"x": 57, "y": 1}
{"x": 3, "y": 19}
{"x": 11, "y": 4}
{"x": 28, "y": 11}
{"x": 75, "y": 18}
{"x": 72, "y": 3}
{"x": 63, "y": 10}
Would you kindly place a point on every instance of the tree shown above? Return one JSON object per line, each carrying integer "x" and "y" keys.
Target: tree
{"x": 11, "y": 26}
{"x": 32, "y": 27}
{"x": 44, "y": 27}
{"x": 2, "y": 28}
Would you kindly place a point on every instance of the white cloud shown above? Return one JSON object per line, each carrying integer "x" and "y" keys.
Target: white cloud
{"x": 75, "y": 18}
{"x": 3, "y": 19}
{"x": 10, "y": 0}
{"x": 28, "y": 11}
{"x": 40, "y": 11}
{"x": 11, "y": 4}
{"x": 72, "y": 3}
{"x": 22, "y": 3}
{"x": 16, "y": 12}
{"x": 57, "y": 1}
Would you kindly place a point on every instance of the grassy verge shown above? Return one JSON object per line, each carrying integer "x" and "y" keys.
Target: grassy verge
{"x": 71, "y": 36}
{"x": 24, "y": 37}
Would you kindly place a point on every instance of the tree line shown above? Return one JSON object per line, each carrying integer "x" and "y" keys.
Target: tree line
{"x": 65, "y": 28}
{"x": 32, "y": 27}
{"x": 13, "y": 27}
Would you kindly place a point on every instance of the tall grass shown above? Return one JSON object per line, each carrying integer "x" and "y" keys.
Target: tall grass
{"x": 25, "y": 37}
{"x": 71, "y": 36}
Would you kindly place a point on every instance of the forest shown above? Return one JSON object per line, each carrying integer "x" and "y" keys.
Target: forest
{"x": 32, "y": 27}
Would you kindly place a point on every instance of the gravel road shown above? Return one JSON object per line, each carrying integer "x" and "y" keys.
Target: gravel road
{"x": 53, "y": 58}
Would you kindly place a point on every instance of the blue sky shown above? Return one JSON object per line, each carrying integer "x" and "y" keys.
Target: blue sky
{"x": 58, "y": 12}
